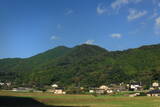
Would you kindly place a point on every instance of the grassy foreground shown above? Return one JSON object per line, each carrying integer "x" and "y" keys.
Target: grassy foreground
{"x": 51, "y": 100}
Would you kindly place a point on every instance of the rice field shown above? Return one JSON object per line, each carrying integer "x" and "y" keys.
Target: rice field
{"x": 50, "y": 100}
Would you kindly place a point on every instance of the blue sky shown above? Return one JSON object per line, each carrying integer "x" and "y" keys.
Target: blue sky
{"x": 29, "y": 27}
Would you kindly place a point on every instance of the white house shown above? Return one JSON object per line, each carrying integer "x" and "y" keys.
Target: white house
{"x": 56, "y": 89}
{"x": 54, "y": 85}
{"x": 135, "y": 87}
{"x": 104, "y": 87}
{"x": 59, "y": 91}
{"x": 8, "y": 84}
{"x": 1, "y": 83}
{"x": 109, "y": 91}
{"x": 155, "y": 84}
{"x": 91, "y": 91}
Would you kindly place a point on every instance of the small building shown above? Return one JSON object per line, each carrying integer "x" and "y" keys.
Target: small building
{"x": 134, "y": 95}
{"x": 22, "y": 89}
{"x": 153, "y": 93}
{"x": 151, "y": 88}
{"x": 59, "y": 91}
{"x": 8, "y": 83}
{"x": 155, "y": 86}
{"x": 56, "y": 89}
{"x": 118, "y": 88}
{"x": 91, "y": 91}
{"x": 1, "y": 83}
{"x": 135, "y": 87}
{"x": 109, "y": 91}
{"x": 104, "y": 87}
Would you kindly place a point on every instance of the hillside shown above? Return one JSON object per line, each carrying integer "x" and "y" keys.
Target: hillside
{"x": 88, "y": 65}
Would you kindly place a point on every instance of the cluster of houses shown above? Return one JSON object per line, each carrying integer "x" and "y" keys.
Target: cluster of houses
{"x": 116, "y": 88}
{"x": 23, "y": 89}
{"x": 154, "y": 90}
{"x": 5, "y": 84}
{"x": 101, "y": 90}
{"x": 55, "y": 89}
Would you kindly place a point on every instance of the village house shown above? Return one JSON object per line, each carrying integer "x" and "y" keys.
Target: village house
{"x": 1, "y": 83}
{"x": 56, "y": 89}
{"x": 134, "y": 95}
{"x": 135, "y": 87}
{"x": 155, "y": 86}
{"x": 8, "y": 84}
{"x": 91, "y": 91}
{"x": 154, "y": 90}
{"x": 5, "y": 84}
{"x": 118, "y": 88}
{"x": 59, "y": 91}
{"x": 106, "y": 89}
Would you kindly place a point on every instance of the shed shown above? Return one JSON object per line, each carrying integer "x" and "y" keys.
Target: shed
{"x": 153, "y": 93}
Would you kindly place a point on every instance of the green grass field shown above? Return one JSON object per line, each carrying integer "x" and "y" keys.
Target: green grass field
{"x": 83, "y": 100}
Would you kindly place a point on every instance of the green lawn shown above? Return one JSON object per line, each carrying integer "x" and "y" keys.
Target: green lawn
{"x": 87, "y": 100}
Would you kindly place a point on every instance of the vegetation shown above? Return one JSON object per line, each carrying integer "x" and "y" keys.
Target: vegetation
{"x": 84, "y": 65}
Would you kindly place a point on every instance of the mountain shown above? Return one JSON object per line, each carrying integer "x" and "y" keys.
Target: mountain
{"x": 51, "y": 54}
{"x": 88, "y": 65}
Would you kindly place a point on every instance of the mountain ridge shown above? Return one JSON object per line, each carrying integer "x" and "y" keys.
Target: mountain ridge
{"x": 66, "y": 66}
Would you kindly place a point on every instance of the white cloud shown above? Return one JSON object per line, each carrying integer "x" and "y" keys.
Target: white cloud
{"x": 135, "y": 14}
{"x": 69, "y": 11}
{"x": 116, "y": 35}
{"x": 117, "y": 4}
{"x": 157, "y": 26}
{"x": 89, "y": 42}
{"x": 101, "y": 9}
{"x": 54, "y": 37}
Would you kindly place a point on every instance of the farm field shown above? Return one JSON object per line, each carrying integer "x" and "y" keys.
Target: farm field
{"x": 18, "y": 99}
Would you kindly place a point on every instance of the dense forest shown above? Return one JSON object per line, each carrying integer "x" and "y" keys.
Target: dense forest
{"x": 85, "y": 65}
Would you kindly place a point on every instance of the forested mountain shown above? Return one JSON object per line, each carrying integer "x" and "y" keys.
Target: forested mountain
{"x": 87, "y": 65}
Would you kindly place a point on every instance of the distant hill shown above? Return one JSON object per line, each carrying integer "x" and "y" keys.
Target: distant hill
{"x": 87, "y": 65}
